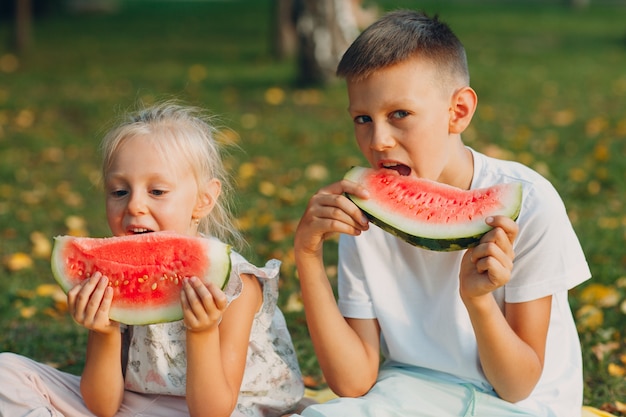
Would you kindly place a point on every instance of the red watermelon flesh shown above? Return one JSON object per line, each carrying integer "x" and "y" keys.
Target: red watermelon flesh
{"x": 145, "y": 271}
{"x": 429, "y": 214}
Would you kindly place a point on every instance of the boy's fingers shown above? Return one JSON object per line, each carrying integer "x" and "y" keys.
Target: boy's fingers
{"x": 345, "y": 187}
{"x": 509, "y": 226}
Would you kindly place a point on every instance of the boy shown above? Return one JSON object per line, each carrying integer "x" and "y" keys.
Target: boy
{"x": 486, "y": 331}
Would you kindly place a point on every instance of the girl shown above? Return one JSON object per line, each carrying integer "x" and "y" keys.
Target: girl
{"x": 230, "y": 355}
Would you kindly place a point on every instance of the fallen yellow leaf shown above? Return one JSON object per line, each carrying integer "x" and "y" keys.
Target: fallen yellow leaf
{"x": 600, "y": 295}
{"x": 274, "y": 95}
{"x": 589, "y": 317}
{"x": 77, "y": 226}
{"x": 18, "y": 261}
{"x": 603, "y": 349}
{"x": 28, "y": 312}
{"x": 42, "y": 247}
{"x": 48, "y": 290}
{"x": 616, "y": 370}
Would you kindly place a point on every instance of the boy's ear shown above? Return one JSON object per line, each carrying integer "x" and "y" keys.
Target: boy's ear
{"x": 207, "y": 198}
{"x": 462, "y": 107}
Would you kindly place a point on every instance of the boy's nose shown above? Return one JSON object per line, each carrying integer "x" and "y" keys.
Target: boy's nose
{"x": 381, "y": 139}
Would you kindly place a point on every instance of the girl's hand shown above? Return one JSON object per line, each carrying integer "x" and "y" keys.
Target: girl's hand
{"x": 488, "y": 266}
{"x": 89, "y": 303}
{"x": 329, "y": 211}
{"x": 203, "y": 305}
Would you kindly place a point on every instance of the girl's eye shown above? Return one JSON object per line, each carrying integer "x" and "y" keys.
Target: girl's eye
{"x": 118, "y": 193}
{"x": 362, "y": 119}
{"x": 399, "y": 114}
{"x": 157, "y": 192}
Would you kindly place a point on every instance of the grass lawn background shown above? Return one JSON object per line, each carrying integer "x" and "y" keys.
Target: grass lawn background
{"x": 552, "y": 92}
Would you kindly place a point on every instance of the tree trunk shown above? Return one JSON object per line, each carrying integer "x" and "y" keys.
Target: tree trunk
{"x": 325, "y": 29}
{"x": 284, "y": 37}
{"x": 579, "y": 4}
{"x": 23, "y": 25}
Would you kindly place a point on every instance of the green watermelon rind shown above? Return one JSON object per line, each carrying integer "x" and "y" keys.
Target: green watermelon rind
{"x": 445, "y": 240}
{"x": 219, "y": 268}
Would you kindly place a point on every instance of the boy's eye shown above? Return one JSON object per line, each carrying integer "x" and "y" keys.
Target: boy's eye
{"x": 399, "y": 114}
{"x": 362, "y": 119}
{"x": 157, "y": 192}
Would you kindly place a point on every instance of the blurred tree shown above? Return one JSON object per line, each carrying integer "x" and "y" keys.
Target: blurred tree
{"x": 284, "y": 41}
{"x": 23, "y": 25}
{"x": 579, "y": 4}
{"x": 318, "y": 31}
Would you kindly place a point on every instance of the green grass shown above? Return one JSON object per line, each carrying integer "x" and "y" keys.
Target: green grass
{"x": 551, "y": 85}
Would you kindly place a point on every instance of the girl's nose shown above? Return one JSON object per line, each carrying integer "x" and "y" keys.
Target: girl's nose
{"x": 136, "y": 204}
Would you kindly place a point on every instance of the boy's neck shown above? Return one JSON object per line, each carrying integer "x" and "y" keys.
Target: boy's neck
{"x": 462, "y": 172}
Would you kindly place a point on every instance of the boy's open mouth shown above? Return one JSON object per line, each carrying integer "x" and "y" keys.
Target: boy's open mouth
{"x": 401, "y": 169}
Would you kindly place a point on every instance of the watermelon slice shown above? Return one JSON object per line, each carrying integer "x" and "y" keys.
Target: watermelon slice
{"x": 429, "y": 214}
{"x": 144, "y": 270}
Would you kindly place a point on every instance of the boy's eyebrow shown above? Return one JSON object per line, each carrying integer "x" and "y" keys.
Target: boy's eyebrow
{"x": 403, "y": 103}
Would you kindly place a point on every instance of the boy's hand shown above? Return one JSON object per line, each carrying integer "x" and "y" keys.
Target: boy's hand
{"x": 488, "y": 266}
{"x": 329, "y": 211}
{"x": 89, "y": 303}
{"x": 203, "y": 305}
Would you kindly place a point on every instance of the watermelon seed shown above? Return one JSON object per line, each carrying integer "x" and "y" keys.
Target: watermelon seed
{"x": 154, "y": 286}
{"x": 126, "y": 282}
{"x": 141, "y": 280}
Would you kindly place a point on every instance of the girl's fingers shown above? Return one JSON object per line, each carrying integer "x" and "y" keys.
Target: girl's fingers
{"x": 219, "y": 298}
{"x": 202, "y": 305}
{"x": 80, "y": 295}
{"x": 90, "y": 302}
{"x": 105, "y": 306}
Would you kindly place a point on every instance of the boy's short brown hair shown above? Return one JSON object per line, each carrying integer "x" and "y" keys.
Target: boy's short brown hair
{"x": 401, "y": 35}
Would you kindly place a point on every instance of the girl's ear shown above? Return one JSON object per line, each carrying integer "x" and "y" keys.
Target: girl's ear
{"x": 207, "y": 198}
{"x": 462, "y": 107}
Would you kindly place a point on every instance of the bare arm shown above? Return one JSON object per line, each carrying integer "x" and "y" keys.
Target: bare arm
{"x": 217, "y": 344}
{"x": 512, "y": 356}
{"x": 348, "y": 350}
{"x": 102, "y": 383}
{"x": 511, "y": 346}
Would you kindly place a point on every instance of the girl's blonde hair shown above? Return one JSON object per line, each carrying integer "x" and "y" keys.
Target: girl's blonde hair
{"x": 188, "y": 132}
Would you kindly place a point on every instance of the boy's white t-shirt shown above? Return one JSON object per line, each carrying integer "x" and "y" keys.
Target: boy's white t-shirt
{"x": 414, "y": 293}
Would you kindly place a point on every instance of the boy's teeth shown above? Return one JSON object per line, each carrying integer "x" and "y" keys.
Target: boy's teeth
{"x": 401, "y": 169}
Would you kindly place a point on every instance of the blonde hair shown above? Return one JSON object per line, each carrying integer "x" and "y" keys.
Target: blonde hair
{"x": 189, "y": 132}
